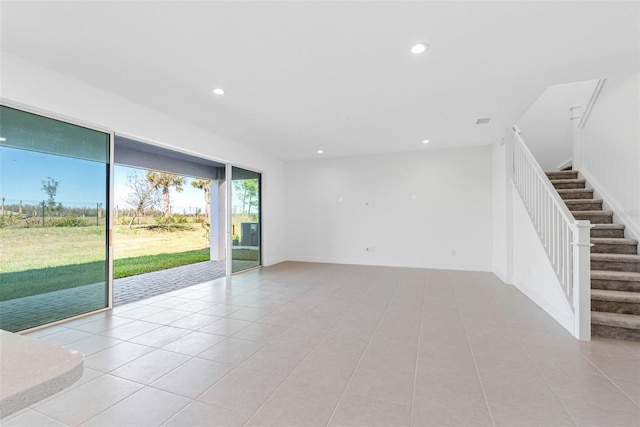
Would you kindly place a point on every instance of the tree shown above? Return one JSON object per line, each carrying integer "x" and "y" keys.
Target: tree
{"x": 204, "y": 185}
{"x": 251, "y": 187}
{"x": 248, "y": 188}
{"x": 144, "y": 194}
{"x": 164, "y": 181}
{"x": 50, "y": 186}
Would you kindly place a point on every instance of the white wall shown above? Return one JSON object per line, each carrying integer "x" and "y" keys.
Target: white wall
{"x": 424, "y": 209}
{"x": 37, "y": 87}
{"x": 532, "y": 271}
{"x": 546, "y": 127}
{"x": 611, "y": 148}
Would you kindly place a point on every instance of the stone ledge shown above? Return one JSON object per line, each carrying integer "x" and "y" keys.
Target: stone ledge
{"x": 32, "y": 370}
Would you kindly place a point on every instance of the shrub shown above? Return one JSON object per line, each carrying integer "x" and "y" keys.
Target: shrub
{"x": 9, "y": 220}
{"x": 68, "y": 221}
{"x": 34, "y": 221}
{"x": 207, "y": 232}
{"x": 171, "y": 222}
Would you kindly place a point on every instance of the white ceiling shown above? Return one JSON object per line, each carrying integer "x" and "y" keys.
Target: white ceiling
{"x": 337, "y": 76}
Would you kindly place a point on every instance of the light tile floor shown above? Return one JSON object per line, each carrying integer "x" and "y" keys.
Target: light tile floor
{"x": 314, "y": 344}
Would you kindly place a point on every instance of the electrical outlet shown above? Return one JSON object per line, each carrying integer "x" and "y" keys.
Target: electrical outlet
{"x": 370, "y": 249}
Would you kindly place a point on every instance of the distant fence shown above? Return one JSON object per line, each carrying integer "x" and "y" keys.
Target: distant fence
{"x": 31, "y": 213}
{"x": 194, "y": 211}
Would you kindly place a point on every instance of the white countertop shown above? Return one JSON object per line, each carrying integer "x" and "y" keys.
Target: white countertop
{"x": 32, "y": 370}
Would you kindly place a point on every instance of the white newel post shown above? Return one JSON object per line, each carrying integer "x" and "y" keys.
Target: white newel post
{"x": 582, "y": 280}
{"x": 576, "y": 115}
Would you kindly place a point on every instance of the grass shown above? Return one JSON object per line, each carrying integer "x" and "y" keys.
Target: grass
{"x": 37, "y": 281}
{"x": 147, "y": 263}
{"x": 23, "y": 249}
{"x": 142, "y": 241}
{"x": 245, "y": 254}
{"x": 45, "y": 259}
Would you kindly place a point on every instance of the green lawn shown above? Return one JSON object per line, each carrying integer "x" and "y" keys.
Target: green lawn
{"x": 23, "y": 249}
{"x": 141, "y": 241}
{"x": 45, "y": 259}
{"x": 147, "y": 263}
{"x": 37, "y": 281}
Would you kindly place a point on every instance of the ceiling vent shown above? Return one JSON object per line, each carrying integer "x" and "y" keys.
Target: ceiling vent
{"x": 483, "y": 121}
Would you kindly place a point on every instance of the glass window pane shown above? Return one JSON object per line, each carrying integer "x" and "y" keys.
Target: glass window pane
{"x": 245, "y": 220}
{"x": 53, "y": 220}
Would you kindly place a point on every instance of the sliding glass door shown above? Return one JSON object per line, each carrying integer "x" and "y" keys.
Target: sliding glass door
{"x": 245, "y": 219}
{"x": 54, "y": 220}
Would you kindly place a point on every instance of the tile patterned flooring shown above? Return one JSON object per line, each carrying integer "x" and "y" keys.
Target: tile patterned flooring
{"x": 315, "y": 344}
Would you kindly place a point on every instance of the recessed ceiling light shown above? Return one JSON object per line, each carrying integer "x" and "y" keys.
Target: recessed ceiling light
{"x": 419, "y": 48}
{"x": 319, "y": 151}
{"x": 218, "y": 91}
{"x": 483, "y": 121}
{"x": 425, "y": 141}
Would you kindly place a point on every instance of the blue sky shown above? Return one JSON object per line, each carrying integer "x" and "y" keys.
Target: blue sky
{"x": 22, "y": 173}
{"x": 81, "y": 182}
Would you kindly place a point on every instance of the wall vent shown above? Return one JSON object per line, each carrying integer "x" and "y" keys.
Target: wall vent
{"x": 483, "y": 121}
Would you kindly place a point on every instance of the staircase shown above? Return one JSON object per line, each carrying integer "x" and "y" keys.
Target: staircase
{"x": 615, "y": 263}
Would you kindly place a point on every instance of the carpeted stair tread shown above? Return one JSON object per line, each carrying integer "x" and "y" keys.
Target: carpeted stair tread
{"x": 615, "y": 257}
{"x": 581, "y": 205}
{"x": 567, "y": 181}
{"x": 574, "y": 190}
{"x": 562, "y": 174}
{"x": 613, "y": 241}
{"x": 608, "y": 226}
{"x": 607, "y": 230}
{"x": 578, "y": 201}
{"x": 615, "y": 296}
{"x": 603, "y": 213}
{"x": 620, "y": 276}
{"x": 596, "y": 217}
{"x": 629, "y": 321}
{"x": 575, "y": 193}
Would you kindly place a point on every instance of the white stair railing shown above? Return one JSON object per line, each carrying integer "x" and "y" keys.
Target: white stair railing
{"x": 565, "y": 240}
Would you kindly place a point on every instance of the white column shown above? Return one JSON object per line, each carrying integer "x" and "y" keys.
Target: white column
{"x": 214, "y": 254}
{"x": 227, "y": 194}
{"x": 582, "y": 280}
{"x": 222, "y": 220}
{"x": 508, "y": 162}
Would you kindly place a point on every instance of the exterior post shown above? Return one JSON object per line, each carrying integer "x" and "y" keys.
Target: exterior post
{"x": 222, "y": 219}
{"x": 214, "y": 254}
{"x": 582, "y": 280}
{"x": 576, "y": 116}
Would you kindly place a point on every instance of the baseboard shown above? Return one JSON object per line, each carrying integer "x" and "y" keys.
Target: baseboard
{"x": 503, "y": 277}
{"x": 620, "y": 217}
{"x": 566, "y": 321}
{"x": 274, "y": 262}
{"x": 323, "y": 260}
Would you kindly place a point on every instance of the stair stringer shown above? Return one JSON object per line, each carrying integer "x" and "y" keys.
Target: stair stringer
{"x": 620, "y": 217}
